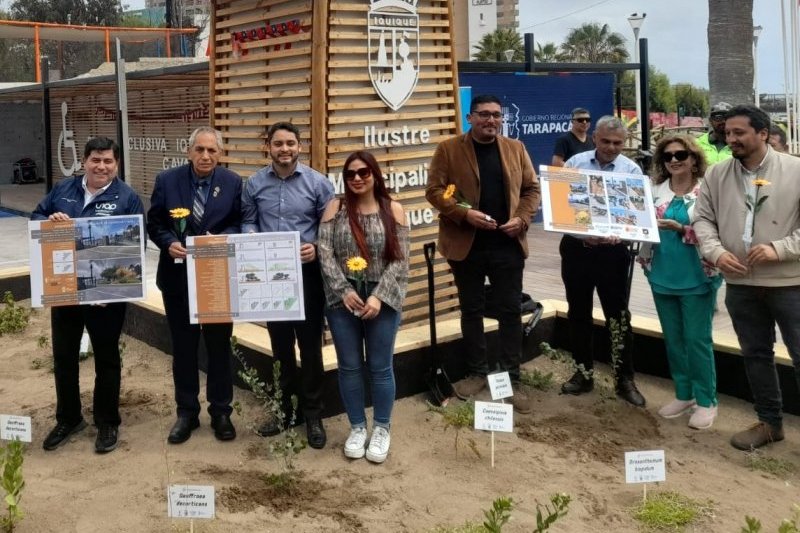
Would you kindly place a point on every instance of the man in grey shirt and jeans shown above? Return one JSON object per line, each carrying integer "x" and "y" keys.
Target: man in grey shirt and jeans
{"x": 290, "y": 196}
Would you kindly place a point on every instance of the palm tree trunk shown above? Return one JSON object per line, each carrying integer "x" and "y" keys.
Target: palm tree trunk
{"x": 730, "y": 51}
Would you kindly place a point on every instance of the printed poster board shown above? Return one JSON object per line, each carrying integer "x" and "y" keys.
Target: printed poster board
{"x": 87, "y": 260}
{"x": 245, "y": 278}
{"x": 598, "y": 204}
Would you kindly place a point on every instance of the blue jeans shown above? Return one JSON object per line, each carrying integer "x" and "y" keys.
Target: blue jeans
{"x": 754, "y": 312}
{"x": 350, "y": 336}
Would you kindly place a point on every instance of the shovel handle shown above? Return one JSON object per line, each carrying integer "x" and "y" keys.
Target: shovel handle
{"x": 429, "y": 249}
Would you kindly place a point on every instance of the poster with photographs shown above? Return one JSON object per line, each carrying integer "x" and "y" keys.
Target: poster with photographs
{"x": 598, "y": 204}
{"x": 245, "y": 278}
{"x": 87, "y": 260}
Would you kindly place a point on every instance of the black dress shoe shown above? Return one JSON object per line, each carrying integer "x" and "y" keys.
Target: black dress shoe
{"x": 316, "y": 433}
{"x": 182, "y": 429}
{"x": 577, "y": 384}
{"x": 58, "y": 435}
{"x": 223, "y": 427}
{"x": 106, "y": 439}
{"x": 626, "y": 389}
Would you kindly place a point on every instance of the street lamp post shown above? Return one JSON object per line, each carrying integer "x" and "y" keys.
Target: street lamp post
{"x": 756, "y": 33}
{"x": 636, "y": 20}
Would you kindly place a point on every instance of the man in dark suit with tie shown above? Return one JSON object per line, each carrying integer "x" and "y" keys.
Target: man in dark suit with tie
{"x": 213, "y": 195}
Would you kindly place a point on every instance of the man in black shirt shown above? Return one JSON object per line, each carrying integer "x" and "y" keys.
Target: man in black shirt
{"x": 486, "y": 191}
{"x": 576, "y": 140}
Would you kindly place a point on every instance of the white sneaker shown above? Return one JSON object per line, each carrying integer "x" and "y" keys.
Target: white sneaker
{"x": 378, "y": 445}
{"x": 356, "y": 443}
{"x": 703, "y": 417}
{"x": 676, "y": 408}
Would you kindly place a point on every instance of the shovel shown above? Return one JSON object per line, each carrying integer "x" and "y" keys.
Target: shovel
{"x": 439, "y": 384}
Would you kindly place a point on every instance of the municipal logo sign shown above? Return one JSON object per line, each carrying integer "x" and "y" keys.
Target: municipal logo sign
{"x": 393, "y": 49}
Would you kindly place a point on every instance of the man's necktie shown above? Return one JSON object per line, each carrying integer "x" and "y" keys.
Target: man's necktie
{"x": 198, "y": 206}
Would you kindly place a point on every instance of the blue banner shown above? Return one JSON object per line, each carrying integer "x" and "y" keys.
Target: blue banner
{"x": 537, "y": 107}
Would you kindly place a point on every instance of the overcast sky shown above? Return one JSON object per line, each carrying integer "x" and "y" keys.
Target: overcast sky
{"x": 675, "y": 29}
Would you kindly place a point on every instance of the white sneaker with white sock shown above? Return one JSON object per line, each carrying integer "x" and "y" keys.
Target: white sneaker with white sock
{"x": 378, "y": 445}
{"x": 356, "y": 443}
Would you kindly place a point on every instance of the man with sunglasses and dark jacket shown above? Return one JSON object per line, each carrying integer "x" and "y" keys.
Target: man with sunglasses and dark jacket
{"x": 576, "y": 140}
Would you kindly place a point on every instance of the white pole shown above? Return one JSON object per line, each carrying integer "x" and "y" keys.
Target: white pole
{"x": 638, "y": 80}
{"x": 755, "y": 65}
{"x": 786, "y": 78}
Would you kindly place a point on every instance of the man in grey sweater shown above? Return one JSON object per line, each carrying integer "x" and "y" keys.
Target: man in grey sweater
{"x": 747, "y": 220}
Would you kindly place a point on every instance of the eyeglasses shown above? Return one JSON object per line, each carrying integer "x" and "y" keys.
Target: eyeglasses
{"x": 363, "y": 173}
{"x": 583, "y": 120}
{"x": 717, "y": 117}
{"x": 680, "y": 155}
{"x": 486, "y": 115}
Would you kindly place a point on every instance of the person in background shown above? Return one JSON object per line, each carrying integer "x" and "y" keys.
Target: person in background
{"x": 713, "y": 141}
{"x": 747, "y": 220}
{"x": 486, "y": 191}
{"x": 684, "y": 285}
{"x": 576, "y": 140}
{"x": 600, "y": 263}
{"x": 99, "y": 192}
{"x": 777, "y": 139}
{"x": 365, "y": 299}
{"x": 210, "y": 194}
{"x": 287, "y": 195}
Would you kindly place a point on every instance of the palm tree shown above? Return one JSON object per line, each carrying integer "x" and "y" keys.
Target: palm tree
{"x": 593, "y": 43}
{"x": 494, "y": 45}
{"x": 547, "y": 54}
{"x": 730, "y": 60}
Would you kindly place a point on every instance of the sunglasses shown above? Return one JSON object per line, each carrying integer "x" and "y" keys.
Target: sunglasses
{"x": 362, "y": 173}
{"x": 583, "y": 120}
{"x": 680, "y": 155}
{"x": 718, "y": 117}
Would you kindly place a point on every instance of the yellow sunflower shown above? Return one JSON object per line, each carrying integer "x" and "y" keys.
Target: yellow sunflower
{"x": 760, "y": 182}
{"x": 356, "y": 264}
{"x": 179, "y": 212}
{"x": 449, "y": 192}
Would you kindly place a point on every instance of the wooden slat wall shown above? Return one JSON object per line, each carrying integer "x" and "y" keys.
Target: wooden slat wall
{"x": 155, "y": 113}
{"x": 322, "y": 84}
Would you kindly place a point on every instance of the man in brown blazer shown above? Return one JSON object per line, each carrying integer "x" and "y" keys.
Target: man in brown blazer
{"x": 486, "y": 191}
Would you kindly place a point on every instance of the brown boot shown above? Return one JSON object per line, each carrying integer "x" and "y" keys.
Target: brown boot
{"x": 470, "y": 386}
{"x": 521, "y": 401}
{"x": 756, "y": 436}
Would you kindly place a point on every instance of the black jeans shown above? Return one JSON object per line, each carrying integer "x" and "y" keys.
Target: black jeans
{"x": 584, "y": 269}
{"x": 754, "y": 312}
{"x": 104, "y": 324}
{"x": 503, "y": 266}
{"x": 185, "y": 368}
{"x": 308, "y": 382}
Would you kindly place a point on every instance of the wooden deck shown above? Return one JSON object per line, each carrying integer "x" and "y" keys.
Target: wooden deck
{"x": 542, "y": 280}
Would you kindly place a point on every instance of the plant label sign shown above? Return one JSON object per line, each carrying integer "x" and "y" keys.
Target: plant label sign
{"x": 14, "y": 427}
{"x": 490, "y": 416}
{"x": 645, "y": 467}
{"x": 191, "y": 501}
{"x": 500, "y": 385}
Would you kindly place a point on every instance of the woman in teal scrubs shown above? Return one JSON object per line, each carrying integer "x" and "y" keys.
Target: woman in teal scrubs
{"x": 684, "y": 285}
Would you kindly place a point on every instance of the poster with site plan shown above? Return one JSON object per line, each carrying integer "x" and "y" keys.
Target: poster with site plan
{"x": 93, "y": 260}
{"x": 245, "y": 277}
{"x": 594, "y": 203}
